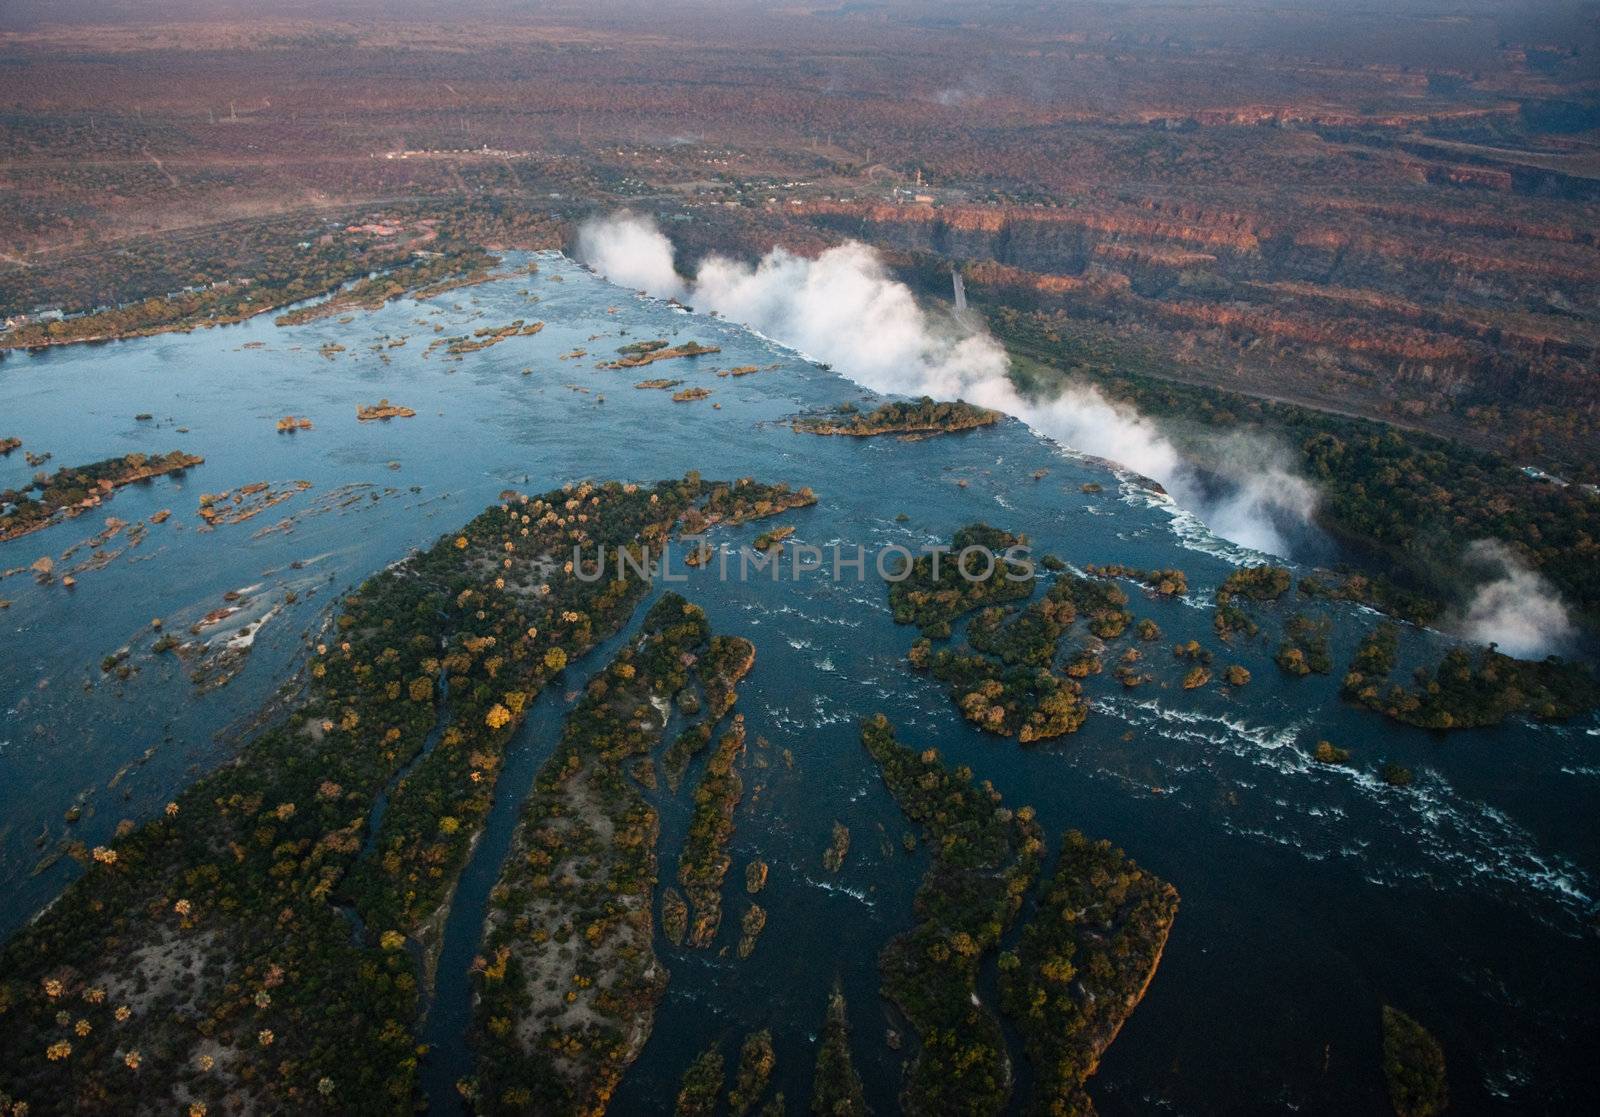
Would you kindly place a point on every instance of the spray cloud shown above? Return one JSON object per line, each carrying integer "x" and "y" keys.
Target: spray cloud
{"x": 844, "y": 308}
{"x": 1516, "y": 609}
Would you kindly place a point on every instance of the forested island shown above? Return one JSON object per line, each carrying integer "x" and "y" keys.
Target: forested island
{"x": 72, "y": 491}
{"x": 640, "y": 353}
{"x": 934, "y": 593}
{"x": 986, "y": 859}
{"x": 1081, "y": 966}
{"x": 570, "y": 981}
{"x": 921, "y": 417}
{"x": 1469, "y": 688}
{"x": 248, "y": 945}
{"x": 489, "y": 336}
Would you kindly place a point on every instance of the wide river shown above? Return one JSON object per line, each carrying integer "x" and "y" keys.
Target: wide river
{"x": 1311, "y": 894}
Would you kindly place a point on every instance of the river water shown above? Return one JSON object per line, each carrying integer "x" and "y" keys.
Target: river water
{"x": 1311, "y": 895}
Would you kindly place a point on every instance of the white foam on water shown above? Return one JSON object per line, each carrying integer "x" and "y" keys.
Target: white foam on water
{"x": 1429, "y": 833}
{"x": 841, "y": 889}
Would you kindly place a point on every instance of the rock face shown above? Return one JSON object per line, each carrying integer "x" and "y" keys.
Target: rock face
{"x": 1348, "y": 291}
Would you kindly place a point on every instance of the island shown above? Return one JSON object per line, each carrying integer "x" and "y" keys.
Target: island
{"x": 382, "y": 410}
{"x": 72, "y": 491}
{"x": 279, "y": 886}
{"x": 1083, "y": 964}
{"x": 570, "y": 980}
{"x": 1080, "y": 967}
{"x": 934, "y": 593}
{"x": 835, "y": 1086}
{"x": 704, "y": 862}
{"x": 985, "y": 859}
{"x": 1469, "y": 689}
{"x": 772, "y": 538}
{"x": 924, "y": 417}
{"x": 489, "y": 336}
{"x": 1305, "y": 646}
{"x": 754, "y": 1072}
{"x": 1253, "y": 583}
{"x": 641, "y": 353}
{"x": 1413, "y": 1066}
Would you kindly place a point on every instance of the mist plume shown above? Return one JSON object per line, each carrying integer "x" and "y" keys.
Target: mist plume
{"x": 844, "y": 308}
{"x": 1516, "y": 609}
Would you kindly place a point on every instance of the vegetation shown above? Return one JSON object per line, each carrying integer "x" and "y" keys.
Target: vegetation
{"x": 922, "y": 417}
{"x": 1007, "y": 685}
{"x": 1257, "y": 583}
{"x": 488, "y": 336}
{"x": 838, "y": 848}
{"x": 1466, "y": 689}
{"x": 1165, "y": 583}
{"x": 536, "y": 616}
{"x": 689, "y": 743}
{"x": 568, "y": 989}
{"x": 751, "y": 925}
{"x": 371, "y": 292}
{"x": 1413, "y": 1066}
{"x": 1082, "y": 966}
{"x": 1374, "y": 658}
{"x": 702, "y": 1085}
{"x": 1470, "y": 689}
{"x": 637, "y": 356}
{"x": 1252, "y": 583}
{"x": 284, "y": 275}
{"x": 1329, "y": 753}
{"x": 70, "y": 492}
{"x": 1099, "y": 600}
{"x": 756, "y": 1063}
{"x": 1027, "y": 637}
{"x": 1028, "y": 703}
{"x": 835, "y": 1086}
{"x": 705, "y": 861}
{"x": 249, "y": 941}
{"x": 934, "y": 593}
{"x": 1396, "y": 775}
{"x": 1305, "y": 646}
{"x": 383, "y": 409}
{"x": 1374, "y": 591}
{"x": 985, "y": 859}
{"x": 774, "y": 537}
{"x": 243, "y": 880}
{"x": 1412, "y": 501}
